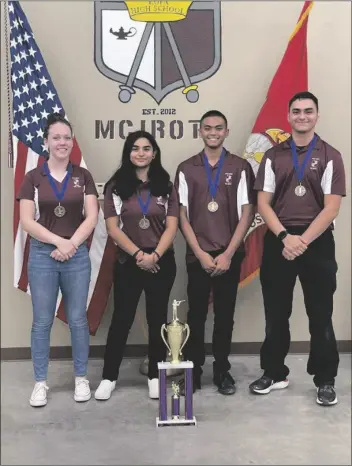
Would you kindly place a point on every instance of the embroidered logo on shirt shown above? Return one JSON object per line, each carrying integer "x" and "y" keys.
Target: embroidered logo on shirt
{"x": 314, "y": 163}
{"x": 228, "y": 179}
{"x": 75, "y": 180}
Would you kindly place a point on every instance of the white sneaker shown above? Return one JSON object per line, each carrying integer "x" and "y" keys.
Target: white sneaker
{"x": 39, "y": 396}
{"x": 103, "y": 392}
{"x": 82, "y": 390}
{"x": 153, "y": 385}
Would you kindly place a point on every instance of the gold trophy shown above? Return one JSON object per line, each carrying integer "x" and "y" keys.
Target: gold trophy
{"x": 175, "y": 334}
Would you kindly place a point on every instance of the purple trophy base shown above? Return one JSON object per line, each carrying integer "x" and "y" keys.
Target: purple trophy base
{"x": 176, "y": 418}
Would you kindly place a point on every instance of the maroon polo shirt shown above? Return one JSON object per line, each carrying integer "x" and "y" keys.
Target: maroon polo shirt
{"x": 36, "y": 187}
{"x": 214, "y": 230}
{"x": 130, "y": 213}
{"x": 323, "y": 174}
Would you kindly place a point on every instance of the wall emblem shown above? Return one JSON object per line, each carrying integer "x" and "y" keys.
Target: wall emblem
{"x": 158, "y": 46}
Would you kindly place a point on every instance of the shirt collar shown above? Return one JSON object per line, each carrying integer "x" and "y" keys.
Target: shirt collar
{"x": 70, "y": 168}
{"x": 318, "y": 144}
{"x": 198, "y": 160}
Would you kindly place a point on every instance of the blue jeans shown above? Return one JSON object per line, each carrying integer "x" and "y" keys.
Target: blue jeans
{"x": 46, "y": 276}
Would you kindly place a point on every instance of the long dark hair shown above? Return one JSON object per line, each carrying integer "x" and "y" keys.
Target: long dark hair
{"x": 125, "y": 182}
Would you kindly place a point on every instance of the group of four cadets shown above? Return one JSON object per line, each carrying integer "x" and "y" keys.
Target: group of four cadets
{"x": 297, "y": 191}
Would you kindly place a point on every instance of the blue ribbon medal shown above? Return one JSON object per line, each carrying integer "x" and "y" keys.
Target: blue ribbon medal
{"x": 59, "y": 210}
{"x": 301, "y": 190}
{"x": 213, "y": 184}
{"x": 144, "y": 223}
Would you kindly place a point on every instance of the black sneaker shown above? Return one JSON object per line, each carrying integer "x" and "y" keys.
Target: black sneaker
{"x": 196, "y": 384}
{"x": 326, "y": 395}
{"x": 225, "y": 383}
{"x": 265, "y": 384}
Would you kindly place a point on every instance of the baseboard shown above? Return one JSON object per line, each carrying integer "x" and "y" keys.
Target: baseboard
{"x": 140, "y": 351}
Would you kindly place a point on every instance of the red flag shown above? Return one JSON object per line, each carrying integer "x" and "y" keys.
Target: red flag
{"x": 34, "y": 97}
{"x": 272, "y": 127}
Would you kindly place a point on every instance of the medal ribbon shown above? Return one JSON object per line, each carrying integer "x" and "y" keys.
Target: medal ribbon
{"x": 144, "y": 205}
{"x": 213, "y": 185}
{"x": 59, "y": 194}
{"x": 300, "y": 169}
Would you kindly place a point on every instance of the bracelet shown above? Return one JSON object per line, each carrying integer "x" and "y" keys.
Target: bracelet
{"x": 135, "y": 254}
{"x": 154, "y": 252}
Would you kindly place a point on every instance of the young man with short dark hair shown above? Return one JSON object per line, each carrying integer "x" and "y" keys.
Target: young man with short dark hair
{"x": 300, "y": 185}
{"x": 217, "y": 200}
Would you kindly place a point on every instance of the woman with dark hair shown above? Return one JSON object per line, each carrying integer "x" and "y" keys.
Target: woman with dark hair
{"x": 59, "y": 211}
{"x": 141, "y": 212}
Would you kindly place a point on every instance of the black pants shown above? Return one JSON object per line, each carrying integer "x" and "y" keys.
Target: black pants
{"x": 129, "y": 282}
{"x": 224, "y": 289}
{"x": 316, "y": 269}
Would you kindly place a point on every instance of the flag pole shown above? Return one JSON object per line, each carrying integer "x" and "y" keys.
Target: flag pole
{"x": 8, "y": 80}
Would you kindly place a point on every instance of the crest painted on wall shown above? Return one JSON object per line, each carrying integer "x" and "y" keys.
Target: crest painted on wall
{"x": 158, "y": 46}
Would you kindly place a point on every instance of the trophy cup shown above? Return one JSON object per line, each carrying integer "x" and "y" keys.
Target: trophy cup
{"x": 177, "y": 336}
{"x": 175, "y": 331}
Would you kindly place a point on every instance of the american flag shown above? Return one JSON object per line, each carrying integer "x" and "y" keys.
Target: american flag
{"x": 34, "y": 97}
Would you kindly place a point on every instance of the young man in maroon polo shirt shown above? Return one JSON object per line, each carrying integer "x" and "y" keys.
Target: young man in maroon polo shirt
{"x": 301, "y": 183}
{"x": 217, "y": 200}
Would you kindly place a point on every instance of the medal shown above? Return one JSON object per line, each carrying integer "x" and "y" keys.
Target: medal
{"x": 213, "y": 185}
{"x": 213, "y": 206}
{"x": 144, "y": 223}
{"x": 59, "y": 211}
{"x": 300, "y": 190}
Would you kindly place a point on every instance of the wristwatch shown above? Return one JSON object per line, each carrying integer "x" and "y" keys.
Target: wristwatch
{"x": 282, "y": 235}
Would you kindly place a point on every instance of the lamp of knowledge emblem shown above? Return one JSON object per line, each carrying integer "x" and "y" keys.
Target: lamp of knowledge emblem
{"x": 158, "y": 46}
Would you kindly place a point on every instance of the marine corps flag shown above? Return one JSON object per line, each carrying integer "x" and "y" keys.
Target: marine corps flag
{"x": 272, "y": 127}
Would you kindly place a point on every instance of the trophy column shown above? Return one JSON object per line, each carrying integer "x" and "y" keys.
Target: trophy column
{"x": 189, "y": 393}
{"x": 162, "y": 395}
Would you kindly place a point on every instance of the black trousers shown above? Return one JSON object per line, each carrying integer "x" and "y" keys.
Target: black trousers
{"x": 224, "y": 289}
{"x": 129, "y": 282}
{"x": 316, "y": 269}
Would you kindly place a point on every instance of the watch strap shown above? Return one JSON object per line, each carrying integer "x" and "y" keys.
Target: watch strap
{"x": 282, "y": 235}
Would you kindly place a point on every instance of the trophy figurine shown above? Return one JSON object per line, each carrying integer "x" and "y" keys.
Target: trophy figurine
{"x": 175, "y": 334}
{"x": 175, "y": 401}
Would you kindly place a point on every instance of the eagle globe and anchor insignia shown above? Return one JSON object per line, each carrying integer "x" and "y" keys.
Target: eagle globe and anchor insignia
{"x": 158, "y": 46}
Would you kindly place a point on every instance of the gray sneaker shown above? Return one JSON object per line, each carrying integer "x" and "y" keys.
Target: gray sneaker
{"x": 326, "y": 395}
